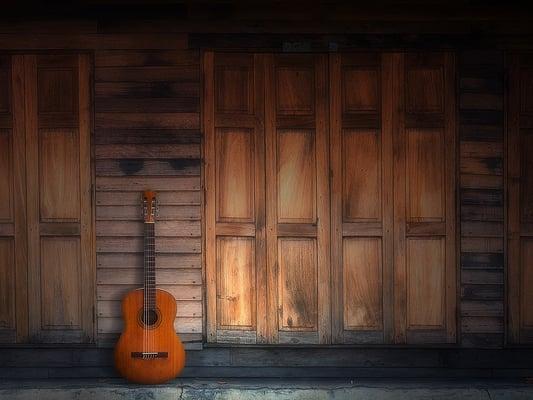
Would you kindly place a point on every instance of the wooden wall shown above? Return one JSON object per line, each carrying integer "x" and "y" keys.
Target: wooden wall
{"x": 481, "y": 124}
{"x": 147, "y": 136}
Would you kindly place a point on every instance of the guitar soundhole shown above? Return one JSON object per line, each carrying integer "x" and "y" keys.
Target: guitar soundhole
{"x": 149, "y": 319}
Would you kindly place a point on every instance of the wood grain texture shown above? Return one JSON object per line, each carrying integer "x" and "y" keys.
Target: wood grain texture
{"x": 518, "y": 177}
{"x": 147, "y": 137}
{"x": 481, "y": 195}
{"x": 235, "y": 211}
{"x": 160, "y": 338}
{"x": 58, "y": 173}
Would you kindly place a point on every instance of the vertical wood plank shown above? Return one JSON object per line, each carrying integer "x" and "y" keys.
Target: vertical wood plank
{"x": 271, "y": 202}
{"x": 87, "y": 232}
{"x": 260, "y": 207}
{"x": 400, "y": 273}
{"x": 323, "y": 201}
{"x": 388, "y": 190}
{"x": 210, "y": 179}
{"x": 513, "y": 198}
{"x": 337, "y": 303}
{"x": 19, "y": 164}
{"x": 32, "y": 194}
{"x": 450, "y": 132}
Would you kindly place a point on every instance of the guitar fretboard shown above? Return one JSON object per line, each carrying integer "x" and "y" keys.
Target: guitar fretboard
{"x": 149, "y": 266}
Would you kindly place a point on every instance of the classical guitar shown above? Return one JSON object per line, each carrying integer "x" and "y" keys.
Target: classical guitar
{"x": 149, "y": 351}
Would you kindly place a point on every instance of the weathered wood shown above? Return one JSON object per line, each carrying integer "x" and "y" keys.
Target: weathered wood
{"x": 147, "y": 120}
{"x": 180, "y": 292}
{"x": 133, "y": 213}
{"x": 135, "y": 260}
{"x": 132, "y": 198}
{"x": 148, "y": 151}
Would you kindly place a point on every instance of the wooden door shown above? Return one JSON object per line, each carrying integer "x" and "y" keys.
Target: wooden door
{"x": 235, "y": 198}
{"x": 361, "y": 197}
{"x": 520, "y": 199}
{"x": 58, "y": 169}
{"x": 424, "y": 198}
{"x": 297, "y": 199}
{"x": 13, "y": 293}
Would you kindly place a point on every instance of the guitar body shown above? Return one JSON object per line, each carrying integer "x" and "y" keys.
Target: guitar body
{"x": 149, "y": 353}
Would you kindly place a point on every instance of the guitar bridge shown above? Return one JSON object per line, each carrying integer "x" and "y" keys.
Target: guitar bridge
{"x": 149, "y": 355}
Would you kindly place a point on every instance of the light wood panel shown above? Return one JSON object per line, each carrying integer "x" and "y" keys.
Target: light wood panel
{"x": 297, "y": 199}
{"x": 236, "y": 283}
{"x": 361, "y": 197}
{"x": 58, "y": 167}
{"x": 424, "y": 199}
{"x": 519, "y": 200}
{"x": 235, "y": 208}
{"x": 13, "y": 229}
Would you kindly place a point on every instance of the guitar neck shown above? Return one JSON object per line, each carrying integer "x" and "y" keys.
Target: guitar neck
{"x": 149, "y": 265}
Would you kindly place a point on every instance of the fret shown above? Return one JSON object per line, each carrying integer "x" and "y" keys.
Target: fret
{"x": 149, "y": 265}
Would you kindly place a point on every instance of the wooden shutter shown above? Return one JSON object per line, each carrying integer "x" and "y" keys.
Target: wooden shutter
{"x": 520, "y": 198}
{"x": 361, "y": 198}
{"x": 13, "y": 261}
{"x": 235, "y": 199}
{"x": 424, "y": 198}
{"x": 297, "y": 199}
{"x": 58, "y": 165}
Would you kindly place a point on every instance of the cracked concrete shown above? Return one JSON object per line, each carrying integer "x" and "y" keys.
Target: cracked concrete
{"x": 267, "y": 389}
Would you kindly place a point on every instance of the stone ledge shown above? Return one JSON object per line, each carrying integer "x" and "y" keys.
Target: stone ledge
{"x": 268, "y": 389}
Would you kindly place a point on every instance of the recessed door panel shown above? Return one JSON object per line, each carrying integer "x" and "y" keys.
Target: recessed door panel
{"x": 59, "y": 181}
{"x": 298, "y": 284}
{"x": 363, "y": 284}
{"x": 235, "y": 175}
{"x": 236, "y": 283}
{"x": 426, "y": 283}
{"x": 7, "y": 284}
{"x": 6, "y": 176}
{"x": 60, "y": 283}
{"x": 296, "y": 176}
{"x": 425, "y": 180}
{"x": 361, "y": 175}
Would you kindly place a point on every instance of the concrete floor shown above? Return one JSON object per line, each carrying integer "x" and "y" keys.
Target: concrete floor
{"x": 268, "y": 389}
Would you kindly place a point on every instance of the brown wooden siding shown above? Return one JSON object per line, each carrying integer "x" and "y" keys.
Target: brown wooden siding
{"x": 480, "y": 91}
{"x": 147, "y": 136}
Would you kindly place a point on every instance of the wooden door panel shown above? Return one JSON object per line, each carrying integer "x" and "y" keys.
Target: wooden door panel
{"x": 361, "y": 187}
{"x": 235, "y": 175}
{"x": 298, "y": 284}
{"x": 361, "y": 175}
{"x": 360, "y": 88}
{"x": 526, "y": 177}
{"x": 60, "y": 280}
{"x": 296, "y": 176}
{"x": 363, "y": 286}
{"x": 297, "y": 205}
{"x": 7, "y": 284}
{"x": 234, "y": 89}
{"x": 527, "y": 283}
{"x": 13, "y": 238}
{"x": 425, "y": 175}
{"x": 425, "y": 88}
{"x": 236, "y": 283}
{"x": 426, "y": 283}
{"x": 234, "y": 204}
{"x": 6, "y": 176}
{"x": 424, "y": 199}
{"x": 295, "y": 90}
{"x": 520, "y": 199}
{"x": 60, "y": 243}
{"x": 59, "y": 175}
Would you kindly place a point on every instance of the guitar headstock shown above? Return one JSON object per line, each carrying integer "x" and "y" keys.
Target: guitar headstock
{"x": 149, "y": 206}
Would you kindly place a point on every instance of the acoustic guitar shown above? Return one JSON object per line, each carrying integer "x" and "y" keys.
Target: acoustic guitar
{"x": 148, "y": 350}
